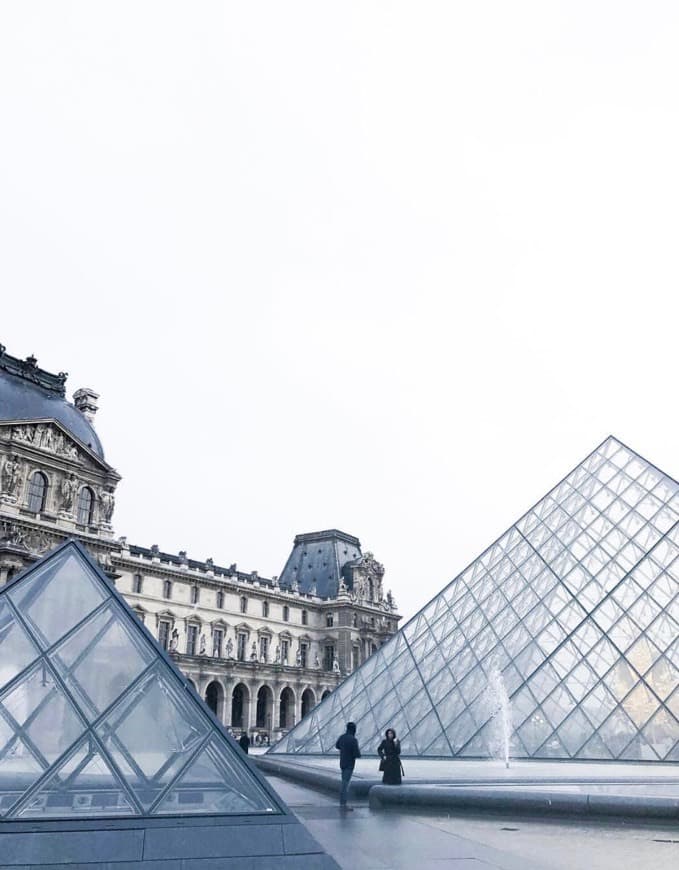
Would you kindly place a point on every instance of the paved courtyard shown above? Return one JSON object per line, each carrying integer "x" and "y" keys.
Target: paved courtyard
{"x": 363, "y": 840}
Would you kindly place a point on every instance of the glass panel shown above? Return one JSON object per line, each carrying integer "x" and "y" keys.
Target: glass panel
{"x": 56, "y": 595}
{"x": 151, "y": 733}
{"x": 214, "y": 783}
{"x": 16, "y": 649}
{"x": 104, "y": 644}
{"x": 84, "y": 785}
{"x": 41, "y": 712}
{"x": 19, "y": 769}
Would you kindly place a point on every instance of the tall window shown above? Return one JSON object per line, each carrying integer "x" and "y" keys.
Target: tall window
{"x": 286, "y": 613}
{"x": 355, "y": 658}
{"x": 220, "y": 599}
{"x": 328, "y": 656}
{"x": 329, "y": 620}
{"x": 305, "y": 617}
{"x": 217, "y": 642}
{"x": 37, "y": 492}
{"x": 191, "y": 640}
{"x": 265, "y": 608}
{"x": 85, "y": 506}
{"x": 243, "y": 604}
{"x": 137, "y": 584}
{"x": 167, "y": 589}
{"x": 264, "y": 648}
{"x": 242, "y": 646}
{"x": 195, "y": 594}
{"x": 304, "y": 654}
{"x": 164, "y": 633}
{"x": 285, "y": 649}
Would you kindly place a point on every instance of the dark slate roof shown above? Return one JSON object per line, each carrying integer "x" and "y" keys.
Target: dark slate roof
{"x": 29, "y": 393}
{"x": 318, "y": 558}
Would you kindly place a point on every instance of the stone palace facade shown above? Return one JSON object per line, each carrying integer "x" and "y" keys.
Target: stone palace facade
{"x": 261, "y": 651}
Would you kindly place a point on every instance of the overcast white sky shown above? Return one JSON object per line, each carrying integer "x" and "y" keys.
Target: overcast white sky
{"x": 391, "y": 267}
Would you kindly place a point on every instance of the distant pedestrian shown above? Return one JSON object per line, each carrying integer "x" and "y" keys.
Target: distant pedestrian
{"x": 349, "y": 752}
{"x": 389, "y": 752}
{"x": 244, "y": 742}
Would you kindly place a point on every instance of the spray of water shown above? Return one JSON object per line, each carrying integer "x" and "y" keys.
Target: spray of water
{"x": 499, "y": 709}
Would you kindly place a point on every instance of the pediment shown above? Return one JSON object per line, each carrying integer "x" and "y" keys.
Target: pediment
{"x": 50, "y": 437}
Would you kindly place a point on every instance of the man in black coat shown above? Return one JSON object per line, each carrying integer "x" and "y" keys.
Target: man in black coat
{"x": 349, "y": 752}
{"x": 244, "y": 742}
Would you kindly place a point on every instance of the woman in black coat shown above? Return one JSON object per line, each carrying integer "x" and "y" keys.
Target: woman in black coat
{"x": 389, "y": 752}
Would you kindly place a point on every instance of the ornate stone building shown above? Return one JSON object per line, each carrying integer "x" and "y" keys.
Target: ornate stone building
{"x": 261, "y": 651}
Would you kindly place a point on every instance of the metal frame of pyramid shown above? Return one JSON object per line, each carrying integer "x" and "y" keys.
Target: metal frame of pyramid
{"x": 95, "y": 719}
{"x": 575, "y": 609}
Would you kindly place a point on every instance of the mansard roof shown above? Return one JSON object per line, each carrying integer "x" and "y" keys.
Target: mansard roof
{"x": 29, "y": 393}
{"x": 317, "y": 559}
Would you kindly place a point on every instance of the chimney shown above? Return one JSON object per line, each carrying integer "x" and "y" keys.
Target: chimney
{"x": 85, "y": 401}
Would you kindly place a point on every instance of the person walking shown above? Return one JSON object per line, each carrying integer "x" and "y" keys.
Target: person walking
{"x": 349, "y": 752}
{"x": 389, "y": 752}
{"x": 244, "y": 742}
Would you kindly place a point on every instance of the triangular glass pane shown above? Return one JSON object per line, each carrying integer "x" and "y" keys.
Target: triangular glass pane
{"x": 104, "y": 643}
{"x": 19, "y": 769}
{"x": 595, "y": 748}
{"x": 662, "y": 732}
{"x": 83, "y": 786}
{"x": 37, "y": 707}
{"x": 151, "y": 733}
{"x": 16, "y": 648}
{"x": 57, "y": 594}
{"x": 214, "y": 783}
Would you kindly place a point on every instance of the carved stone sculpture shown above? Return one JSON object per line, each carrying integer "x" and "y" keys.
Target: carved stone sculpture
{"x": 203, "y": 645}
{"x": 174, "y": 641}
{"x": 11, "y": 475}
{"x": 335, "y": 666}
{"x": 69, "y": 487}
{"x": 253, "y": 652}
{"x": 107, "y": 503}
{"x": 229, "y": 649}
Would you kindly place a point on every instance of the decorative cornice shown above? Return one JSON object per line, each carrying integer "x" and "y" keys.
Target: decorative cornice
{"x": 28, "y": 370}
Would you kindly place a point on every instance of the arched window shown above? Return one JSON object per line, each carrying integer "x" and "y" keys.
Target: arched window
{"x": 305, "y": 617}
{"x": 85, "y": 506}
{"x": 167, "y": 589}
{"x": 286, "y": 613}
{"x": 220, "y": 599}
{"x": 37, "y": 492}
{"x": 265, "y": 608}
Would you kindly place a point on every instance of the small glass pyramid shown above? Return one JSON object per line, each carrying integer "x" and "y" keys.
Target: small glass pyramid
{"x": 95, "y": 720}
{"x": 575, "y": 610}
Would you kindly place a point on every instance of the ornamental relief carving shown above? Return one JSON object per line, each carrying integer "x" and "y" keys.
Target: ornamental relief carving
{"x": 32, "y": 540}
{"x": 44, "y": 436}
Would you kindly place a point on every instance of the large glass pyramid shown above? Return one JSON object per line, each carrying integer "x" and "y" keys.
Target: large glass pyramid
{"x": 94, "y": 719}
{"x": 574, "y": 611}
